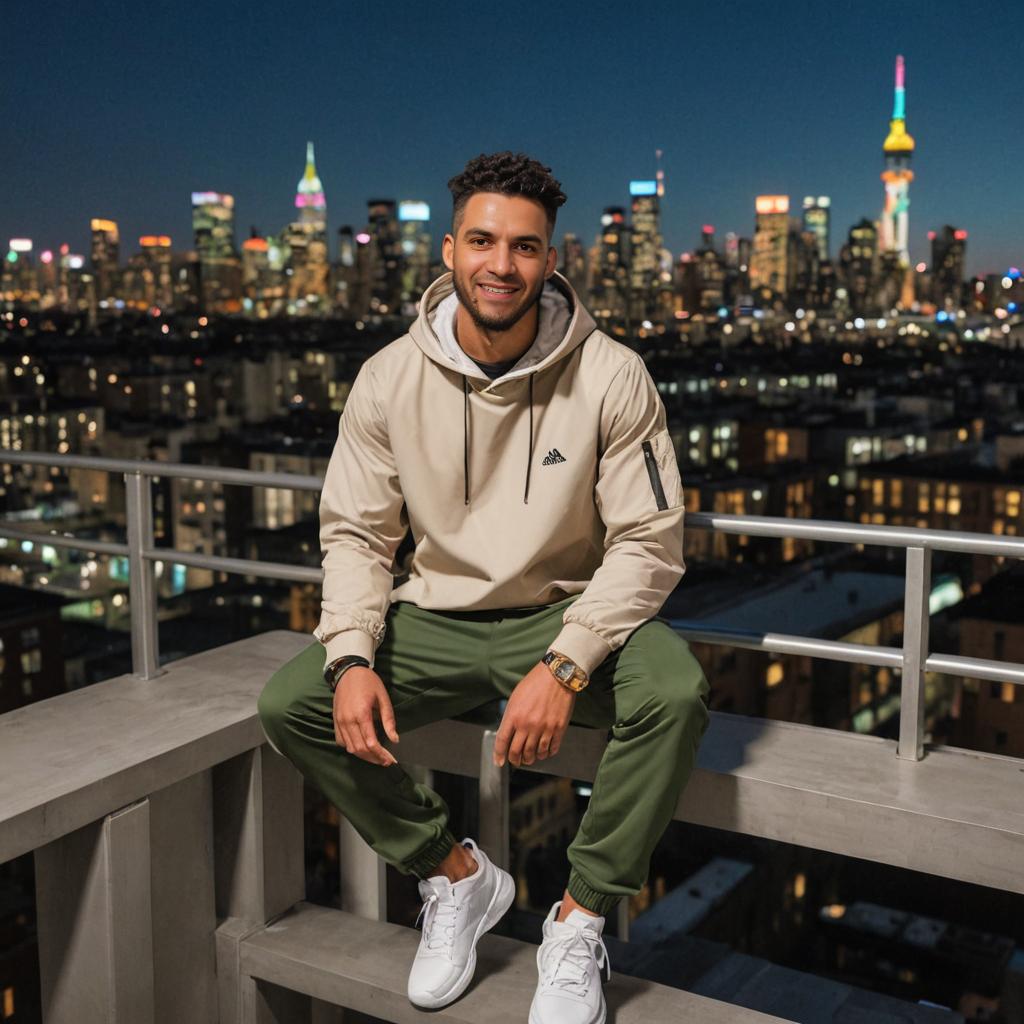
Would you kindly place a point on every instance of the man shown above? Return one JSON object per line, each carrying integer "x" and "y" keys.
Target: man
{"x": 528, "y": 454}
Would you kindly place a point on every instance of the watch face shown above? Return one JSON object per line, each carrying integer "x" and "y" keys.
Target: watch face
{"x": 565, "y": 671}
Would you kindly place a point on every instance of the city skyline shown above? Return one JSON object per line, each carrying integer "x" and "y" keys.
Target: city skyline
{"x": 62, "y": 176}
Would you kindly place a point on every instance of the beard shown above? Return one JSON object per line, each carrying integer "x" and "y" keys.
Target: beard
{"x": 496, "y": 323}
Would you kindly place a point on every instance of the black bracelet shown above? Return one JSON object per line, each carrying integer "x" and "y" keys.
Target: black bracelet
{"x": 336, "y": 669}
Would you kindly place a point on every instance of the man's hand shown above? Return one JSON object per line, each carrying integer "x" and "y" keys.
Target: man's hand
{"x": 360, "y": 693}
{"x": 535, "y": 719}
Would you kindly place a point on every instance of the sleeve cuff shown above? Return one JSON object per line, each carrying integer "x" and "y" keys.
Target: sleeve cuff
{"x": 583, "y": 645}
{"x": 349, "y": 641}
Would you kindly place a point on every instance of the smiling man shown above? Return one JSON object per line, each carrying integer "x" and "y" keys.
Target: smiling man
{"x": 528, "y": 454}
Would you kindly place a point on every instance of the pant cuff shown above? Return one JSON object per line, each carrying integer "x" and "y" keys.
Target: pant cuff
{"x": 424, "y": 863}
{"x": 587, "y": 896}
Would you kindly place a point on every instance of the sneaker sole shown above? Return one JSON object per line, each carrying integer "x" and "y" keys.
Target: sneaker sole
{"x": 502, "y": 899}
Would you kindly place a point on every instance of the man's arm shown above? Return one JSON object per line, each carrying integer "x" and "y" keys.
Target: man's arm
{"x": 639, "y": 496}
{"x": 362, "y": 522}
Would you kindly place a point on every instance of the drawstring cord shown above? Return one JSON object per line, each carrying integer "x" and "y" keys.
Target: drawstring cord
{"x": 465, "y": 435}
{"x": 529, "y": 451}
{"x": 465, "y": 442}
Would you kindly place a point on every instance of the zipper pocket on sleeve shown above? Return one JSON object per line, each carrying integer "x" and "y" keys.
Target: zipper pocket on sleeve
{"x": 652, "y": 472}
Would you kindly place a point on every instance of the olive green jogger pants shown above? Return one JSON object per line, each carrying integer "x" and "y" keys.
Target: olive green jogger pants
{"x": 651, "y": 694}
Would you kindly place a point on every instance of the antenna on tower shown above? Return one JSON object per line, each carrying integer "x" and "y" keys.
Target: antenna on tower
{"x": 660, "y": 174}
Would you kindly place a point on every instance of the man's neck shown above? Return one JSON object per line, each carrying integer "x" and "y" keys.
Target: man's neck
{"x": 495, "y": 346}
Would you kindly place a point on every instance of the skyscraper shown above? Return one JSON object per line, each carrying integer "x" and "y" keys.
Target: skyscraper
{"x": 771, "y": 230}
{"x": 610, "y": 264}
{"x": 386, "y": 257}
{"x": 898, "y": 148}
{"x": 305, "y": 240}
{"x": 859, "y": 265}
{"x": 644, "y": 264}
{"x": 816, "y": 220}
{"x": 948, "y": 251}
{"x": 156, "y": 258}
{"x": 309, "y": 196}
{"x": 220, "y": 273}
{"x": 413, "y": 218}
{"x": 105, "y": 259}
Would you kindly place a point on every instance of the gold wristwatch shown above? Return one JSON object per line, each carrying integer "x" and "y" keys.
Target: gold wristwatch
{"x": 566, "y": 671}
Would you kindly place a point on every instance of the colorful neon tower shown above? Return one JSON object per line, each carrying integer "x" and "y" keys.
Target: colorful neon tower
{"x": 309, "y": 197}
{"x": 898, "y": 148}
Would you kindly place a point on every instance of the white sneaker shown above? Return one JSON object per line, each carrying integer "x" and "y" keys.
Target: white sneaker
{"x": 569, "y": 965}
{"x": 455, "y": 915}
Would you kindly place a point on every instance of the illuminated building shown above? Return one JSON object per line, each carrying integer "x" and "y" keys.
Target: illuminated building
{"x": 709, "y": 272}
{"x": 220, "y": 277}
{"x": 105, "y": 258}
{"x": 18, "y": 284}
{"x": 644, "y": 265}
{"x": 898, "y": 148}
{"x": 156, "y": 252}
{"x": 263, "y": 288}
{"x": 816, "y": 220}
{"x": 771, "y": 233}
{"x": 610, "y": 282}
{"x": 948, "y": 250}
{"x": 859, "y": 266}
{"x": 385, "y": 257}
{"x": 345, "y": 271}
{"x": 305, "y": 242}
{"x": 413, "y": 218}
{"x": 574, "y": 263}
{"x": 309, "y": 196}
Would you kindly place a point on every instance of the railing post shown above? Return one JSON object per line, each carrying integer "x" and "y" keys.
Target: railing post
{"x": 918, "y": 585}
{"x": 93, "y": 893}
{"x": 494, "y": 809}
{"x": 363, "y": 875}
{"x": 141, "y": 589}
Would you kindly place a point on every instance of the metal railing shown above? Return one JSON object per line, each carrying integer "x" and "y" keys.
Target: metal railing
{"x": 913, "y": 659}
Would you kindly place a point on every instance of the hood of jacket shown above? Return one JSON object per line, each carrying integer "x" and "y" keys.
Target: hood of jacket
{"x": 438, "y": 342}
{"x": 563, "y": 325}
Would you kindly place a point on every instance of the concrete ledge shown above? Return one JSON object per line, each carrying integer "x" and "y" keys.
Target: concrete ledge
{"x": 70, "y": 760}
{"x": 363, "y": 965}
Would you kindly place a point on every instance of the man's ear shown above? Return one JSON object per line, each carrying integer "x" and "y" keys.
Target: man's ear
{"x": 552, "y": 263}
{"x": 448, "y": 251}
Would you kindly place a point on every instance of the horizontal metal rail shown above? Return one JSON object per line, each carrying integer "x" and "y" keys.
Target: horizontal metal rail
{"x": 913, "y": 660}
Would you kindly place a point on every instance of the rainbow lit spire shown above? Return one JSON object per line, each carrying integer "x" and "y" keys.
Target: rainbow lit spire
{"x": 898, "y": 148}
{"x": 898, "y": 141}
{"x": 309, "y": 198}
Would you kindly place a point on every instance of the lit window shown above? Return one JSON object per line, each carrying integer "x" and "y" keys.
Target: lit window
{"x": 1007, "y": 694}
{"x": 775, "y": 674}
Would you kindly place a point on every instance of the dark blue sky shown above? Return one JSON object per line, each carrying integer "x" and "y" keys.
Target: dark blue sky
{"x": 121, "y": 110}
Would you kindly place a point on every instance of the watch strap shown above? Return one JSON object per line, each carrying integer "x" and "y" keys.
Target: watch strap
{"x": 338, "y": 667}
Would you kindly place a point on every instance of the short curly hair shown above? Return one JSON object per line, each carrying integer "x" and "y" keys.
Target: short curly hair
{"x": 508, "y": 174}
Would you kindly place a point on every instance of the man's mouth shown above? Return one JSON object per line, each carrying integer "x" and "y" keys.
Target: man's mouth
{"x": 498, "y": 291}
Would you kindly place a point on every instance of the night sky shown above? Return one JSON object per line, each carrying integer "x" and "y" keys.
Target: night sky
{"x": 121, "y": 110}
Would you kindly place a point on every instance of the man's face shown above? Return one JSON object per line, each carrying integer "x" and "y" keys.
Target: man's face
{"x": 499, "y": 258}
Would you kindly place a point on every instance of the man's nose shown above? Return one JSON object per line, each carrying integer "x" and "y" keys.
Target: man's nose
{"x": 500, "y": 262}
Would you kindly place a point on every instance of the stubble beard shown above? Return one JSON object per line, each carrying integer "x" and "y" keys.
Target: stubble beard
{"x": 493, "y": 323}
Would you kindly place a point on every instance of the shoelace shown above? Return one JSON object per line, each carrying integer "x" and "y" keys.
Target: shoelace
{"x": 439, "y": 919}
{"x": 568, "y": 957}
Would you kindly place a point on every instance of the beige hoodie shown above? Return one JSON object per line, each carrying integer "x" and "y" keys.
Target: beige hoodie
{"x": 557, "y": 478}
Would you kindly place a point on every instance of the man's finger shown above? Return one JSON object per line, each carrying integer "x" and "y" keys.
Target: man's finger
{"x": 373, "y": 748}
{"x": 501, "y": 741}
{"x": 544, "y": 746}
{"x": 515, "y": 750}
{"x": 387, "y": 717}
